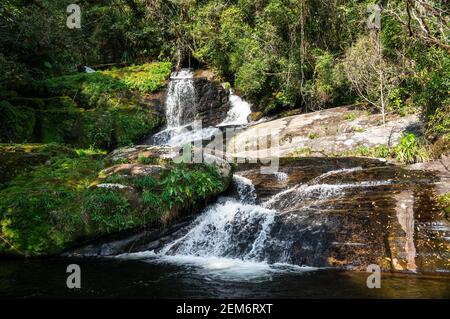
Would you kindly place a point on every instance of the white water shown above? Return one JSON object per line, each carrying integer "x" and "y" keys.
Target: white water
{"x": 239, "y": 111}
{"x": 301, "y": 193}
{"x": 232, "y": 238}
{"x": 281, "y": 177}
{"x": 181, "y": 110}
{"x": 181, "y": 99}
{"x": 341, "y": 171}
{"x": 245, "y": 188}
{"x": 227, "y": 240}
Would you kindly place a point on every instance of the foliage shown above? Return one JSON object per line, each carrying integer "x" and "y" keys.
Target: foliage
{"x": 351, "y": 116}
{"x": 16, "y": 123}
{"x": 108, "y": 210}
{"x": 110, "y": 86}
{"x": 279, "y": 54}
{"x": 146, "y": 78}
{"x": 182, "y": 185}
{"x": 52, "y": 206}
{"x": 89, "y": 110}
{"x": 410, "y": 149}
{"x": 444, "y": 201}
{"x": 40, "y": 209}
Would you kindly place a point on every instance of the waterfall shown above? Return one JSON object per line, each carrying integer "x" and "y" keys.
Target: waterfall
{"x": 181, "y": 110}
{"x": 238, "y": 228}
{"x": 245, "y": 188}
{"x": 239, "y": 233}
{"x": 239, "y": 111}
{"x": 181, "y": 99}
{"x": 227, "y": 229}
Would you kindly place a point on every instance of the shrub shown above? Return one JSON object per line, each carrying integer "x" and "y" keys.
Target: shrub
{"x": 410, "y": 149}
{"x": 109, "y": 210}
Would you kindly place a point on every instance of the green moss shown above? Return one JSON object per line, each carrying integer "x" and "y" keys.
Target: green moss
{"x": 146, "y": 78}
{"x": 100, "y": 110}
{"x": 16, "y": 123}
{"x": 350, "y": 116}
{"x": 40, "y": 209}
{"x": 50, "y": 208}
{"x": 303, "y": 151}
{"x": 107, "y": 87}
{"x": 98, "y": 126}
{"x": 60, "y": 125}
{"x": 313, "y": 135}
{"x": 358, "y": 129}
{"x": 18, "y": 158}
{"x": 131, "y": 125}
{"x": 88, "y": 89}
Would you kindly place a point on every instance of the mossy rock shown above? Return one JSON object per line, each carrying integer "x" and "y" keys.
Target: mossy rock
{"x": 131, "y": 125}
{"x": 60, "y": 125}
{"x": 59, "y": 204}
{"x": 16, "y": 123}
{"x": 97, "y": 126}
{"x": 19, "y": 158}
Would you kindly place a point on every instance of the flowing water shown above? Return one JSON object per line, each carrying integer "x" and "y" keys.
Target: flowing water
{"x": 181, "y": 111}
{"x": 291, "y": 230}
{"x": 239, "y": 111}
{"x": 271, "y": 236}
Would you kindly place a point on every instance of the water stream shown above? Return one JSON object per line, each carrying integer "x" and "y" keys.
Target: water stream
{"x": 272, "y": 235}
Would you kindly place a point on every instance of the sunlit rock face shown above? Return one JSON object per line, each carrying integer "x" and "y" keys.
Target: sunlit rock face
{"x": 322, "y": 133}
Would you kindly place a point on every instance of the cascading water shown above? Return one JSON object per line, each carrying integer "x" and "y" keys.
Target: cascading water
{"x": 299, "y": 222}
{"x": 239, "y": 112}
{"x": 237, "y": 232}
{"x": 181, "y": 110}
{"x": 181, "y": 99}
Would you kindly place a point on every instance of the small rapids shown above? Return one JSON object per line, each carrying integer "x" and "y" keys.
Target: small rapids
{"x": 236, "y": 235}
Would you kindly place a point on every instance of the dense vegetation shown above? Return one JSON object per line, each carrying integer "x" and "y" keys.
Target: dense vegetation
{"x": 280, "y": 54}
{"x": 55, "y": 205}
{"x": 101, "y": 109}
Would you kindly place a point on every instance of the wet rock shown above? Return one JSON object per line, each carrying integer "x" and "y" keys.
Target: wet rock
{"x": 150, "y": 239}
{"x": 366, "y": 213}
{"x": 212, "y": 101}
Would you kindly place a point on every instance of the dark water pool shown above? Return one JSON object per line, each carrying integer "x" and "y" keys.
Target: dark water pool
{"x": 139, "y": 279}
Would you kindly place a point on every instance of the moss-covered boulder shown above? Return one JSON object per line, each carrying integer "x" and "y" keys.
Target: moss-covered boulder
{"x": 69, "y": 198}
{"x": 104, "y": 109}
{"x": 16, "y": 159}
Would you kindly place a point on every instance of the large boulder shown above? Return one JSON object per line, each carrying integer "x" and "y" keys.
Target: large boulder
{"x": 322, "y": 133}
{"x": 351, "y": 213}
{"x": 212, "y": 101}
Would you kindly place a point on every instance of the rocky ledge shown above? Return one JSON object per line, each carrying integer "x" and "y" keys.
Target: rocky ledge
{"x": 323, "y": 133}
{"x": 352, "y": 212}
